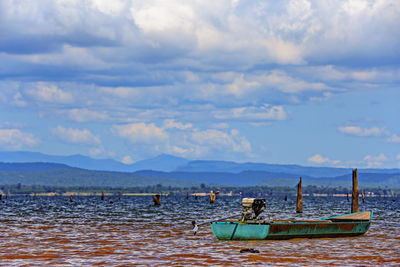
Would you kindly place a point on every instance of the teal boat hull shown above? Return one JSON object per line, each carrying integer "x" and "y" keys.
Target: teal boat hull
{"x": 290, "y": 229}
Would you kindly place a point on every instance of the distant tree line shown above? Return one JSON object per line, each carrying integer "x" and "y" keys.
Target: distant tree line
{"x": 247, "y": 191}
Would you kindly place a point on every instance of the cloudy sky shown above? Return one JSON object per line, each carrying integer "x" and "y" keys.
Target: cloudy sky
{"x": 294, "y": 81}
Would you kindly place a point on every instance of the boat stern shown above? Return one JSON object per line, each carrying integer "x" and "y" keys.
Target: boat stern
{"x": 239, "y": 231}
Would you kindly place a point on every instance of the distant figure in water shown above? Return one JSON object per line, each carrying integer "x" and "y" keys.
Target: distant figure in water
{"x": 195, "y": 228}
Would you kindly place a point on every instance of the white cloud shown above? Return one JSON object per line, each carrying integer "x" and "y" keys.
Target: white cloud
{"x": 239, "y": 86}
{"x": 179, "y": 150}
{"x": 364, "y": 75}
{"x": 161, "y": 17}
{"x": 113, "y": 8}
{"x": 18, "y": 100}
{"x": 394, "y": 139}
{"x": 318, "y": 159}
{"x": 49, "y": 93}
{"x": 265, "y": 112}
{"x": 84, "y": 115}
{"x": 170, "y": 123}
{"x": 121, "y": 92}
{"x": 183, "y": 139}
{"x": 15, "y": 139}
{"x": 127, "y": 160}
{"x": 141, "y": 132}
{"x": 97, "y": 151}
{"x": 76, "y": 136}
{"x": 325, "y": 96}
{"x": 375, "y": 161}
{"x": 284, "y": 82}
{"x": 219, "y": 140}
{"x": 358, "y": 131}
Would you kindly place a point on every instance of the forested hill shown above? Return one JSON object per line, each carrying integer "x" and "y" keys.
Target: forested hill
{"x": 251, "y": 178}
{"x": 62, "y": 175}
{"x": 32, "y": 166}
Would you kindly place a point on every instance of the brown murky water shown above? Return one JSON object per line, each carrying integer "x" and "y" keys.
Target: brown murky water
{"x": 52, "y": 231}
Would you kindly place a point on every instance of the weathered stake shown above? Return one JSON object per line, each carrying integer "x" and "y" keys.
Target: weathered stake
{"x": 187, "y": 195}
{"x": 157, "y": 199}
{"x": 362, "y": 195}
{"x": 119, "y": 195}
{"x": 299, "y": 206}
{"x": 70, "y": 198}
{"x": 285, "y": 197}
{"x": 348, "y": 199}
{"x": 355, "y": 194}
{"x": 102, "y": 195}
{"x": 212, "y": 197}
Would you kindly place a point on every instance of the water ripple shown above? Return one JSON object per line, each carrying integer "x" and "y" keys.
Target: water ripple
{"x": 54, "y": 231}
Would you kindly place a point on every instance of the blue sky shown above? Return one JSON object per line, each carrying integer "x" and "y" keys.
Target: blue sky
{"x": 302, "y": 82}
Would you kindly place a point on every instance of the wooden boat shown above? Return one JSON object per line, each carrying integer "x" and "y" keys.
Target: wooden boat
{"x": 352, "y": 224}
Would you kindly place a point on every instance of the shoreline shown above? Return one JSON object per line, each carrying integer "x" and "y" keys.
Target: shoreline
{"x": 203, "y": 194}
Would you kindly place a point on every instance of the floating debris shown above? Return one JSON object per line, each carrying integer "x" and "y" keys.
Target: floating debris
{"x": 249, "y": 250}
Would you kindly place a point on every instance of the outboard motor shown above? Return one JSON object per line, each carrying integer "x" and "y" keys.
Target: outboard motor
{"x": 252, "y": 208}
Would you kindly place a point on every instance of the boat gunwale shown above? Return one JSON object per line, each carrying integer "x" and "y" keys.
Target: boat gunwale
{"x": 325, "y": 220}
{"x": 289, "y": 222}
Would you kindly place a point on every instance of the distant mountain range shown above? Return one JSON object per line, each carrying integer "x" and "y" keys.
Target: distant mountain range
{"x": 160, "y": 163}
{"x": 37, "y": 168}
{"x": 169, "y": 163}
{"x": 54, "y": 174}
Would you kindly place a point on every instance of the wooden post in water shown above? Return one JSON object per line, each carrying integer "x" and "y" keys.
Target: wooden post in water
{"x": 285, "y": 197}
{"x": 119, "y": 195}
{"x": 102, "y": 195}
{"x": 157, "y": 199}
{"x": 299, "y": 206}
{"x": 212, "y": 197}
{"x": 355, "y": 194}
{"x": 70, "y": 198}
{"x": 187, "y": 195}
{"x": 195, "y": 196}
{"x": 348, "y": 199}
{"x": 362, "y": 195}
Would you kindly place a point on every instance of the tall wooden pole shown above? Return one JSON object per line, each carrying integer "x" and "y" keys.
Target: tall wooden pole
{"x": 157, "y": 199}
{"x": 299, "y": 206}
{"x": 355, "y": 195}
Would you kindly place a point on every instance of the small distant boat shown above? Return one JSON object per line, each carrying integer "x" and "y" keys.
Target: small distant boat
{"x": 352, "y": 224}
